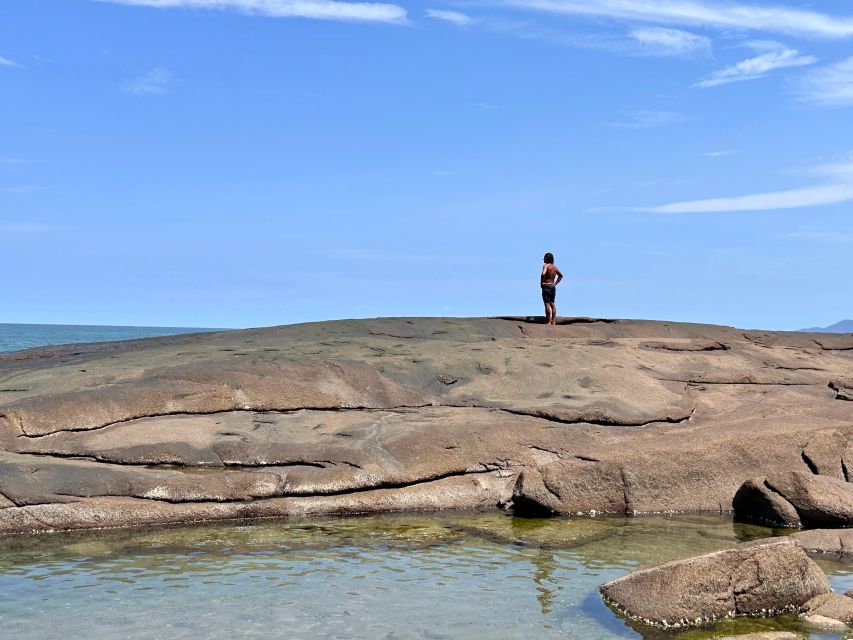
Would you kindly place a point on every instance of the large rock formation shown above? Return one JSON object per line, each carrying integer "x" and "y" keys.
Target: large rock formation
{"x": 397, "y": 414}
{"x": 753, "y": 579}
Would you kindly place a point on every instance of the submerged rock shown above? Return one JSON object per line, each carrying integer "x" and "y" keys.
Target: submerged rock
{"x": 752, "y": 579}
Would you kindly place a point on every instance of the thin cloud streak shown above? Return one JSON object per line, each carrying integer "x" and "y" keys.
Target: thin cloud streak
{"x": 24, "y": 227}
{"x": 835, "y": 191}
{"x": 315, "y": 9}
{"x": 705, "y": 13}
{"x": 455, "y": 17}
{"x": 155, "y": 82}
{"x": 671, "y": 42}
{"x": 5, "y": 62}
{"x": 757, "y": 67}
{"x": 649, "y": 119}
{"x": 835, "y": 237}
{"x": 829, "y": 86}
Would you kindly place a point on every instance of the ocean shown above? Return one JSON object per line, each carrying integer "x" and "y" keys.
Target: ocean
{"x": 25, "y": 336}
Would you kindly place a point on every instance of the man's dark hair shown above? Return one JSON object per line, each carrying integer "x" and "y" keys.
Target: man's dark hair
{"x": 549, "y": 258}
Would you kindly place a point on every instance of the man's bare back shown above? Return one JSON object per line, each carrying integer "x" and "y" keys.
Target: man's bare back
{"x": 548, "y": 280}
{"x": 549, "y": 273}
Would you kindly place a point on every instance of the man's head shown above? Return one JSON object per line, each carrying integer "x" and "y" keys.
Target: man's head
{"x": 549, "y": 258}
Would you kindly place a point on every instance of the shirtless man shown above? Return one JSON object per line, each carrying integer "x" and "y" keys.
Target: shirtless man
{"x": 549, "y": 279}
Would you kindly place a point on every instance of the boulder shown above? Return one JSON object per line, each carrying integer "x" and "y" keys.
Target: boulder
{"x": 756, "y": 502}
{"x": 826, "y": 625}
{"x": 821, "y": 501}
{"x": 752, "y": 579}
{"x": 837, "y": 541}
{"x": 830, "y": 605}
{"x": 794, "y": 499}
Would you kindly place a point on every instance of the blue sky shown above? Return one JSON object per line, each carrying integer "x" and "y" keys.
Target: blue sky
{"x": 255, "y": 162}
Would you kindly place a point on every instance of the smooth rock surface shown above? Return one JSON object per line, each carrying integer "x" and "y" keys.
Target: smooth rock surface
{"x": 830, "y": 605}
{"x": 827, "y": 625}
{"x": 752, "y": 579}
{"x": 796, "y": 498}
{"x": 424, "y": 413}
{"x": 835, "y": 541}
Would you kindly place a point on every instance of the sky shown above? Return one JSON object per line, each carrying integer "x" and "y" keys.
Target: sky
{"x": 234, "y": 163}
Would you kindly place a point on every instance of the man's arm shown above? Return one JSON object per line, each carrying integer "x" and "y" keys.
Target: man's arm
{"x": 559, "y": 276}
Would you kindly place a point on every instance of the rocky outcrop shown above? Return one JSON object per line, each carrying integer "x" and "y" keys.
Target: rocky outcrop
{"x": 753, "y": 579}
{"x": 402, "y": 414}
{"x": 796, "y": 498}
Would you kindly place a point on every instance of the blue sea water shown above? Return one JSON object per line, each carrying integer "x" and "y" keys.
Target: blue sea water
{"x": 24, "y": 336}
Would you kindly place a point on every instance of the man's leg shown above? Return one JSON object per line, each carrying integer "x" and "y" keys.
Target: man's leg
{"x": 547, "y": 313}
{"x": 553, "y": 306}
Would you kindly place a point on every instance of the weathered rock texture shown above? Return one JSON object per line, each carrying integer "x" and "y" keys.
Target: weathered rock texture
{"x": 753, "y": 579}
{"x": 796, "y": 498}
{"x": 395, "y": 414}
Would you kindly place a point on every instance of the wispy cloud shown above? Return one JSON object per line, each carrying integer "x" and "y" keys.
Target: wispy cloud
{"x": 834, "y": 237}
{"x": 836, "y": 188}
{"x": 155, "y": 82}
{"x": 316, "y": 9}
{"x": 24, "y": 227}
{"x": 720, "y": 154}
{"x": 5, "y": 62}
{"x": 649, "y": 119}
{"x": 705, "y": 13}
{"x": 23, "y": 188}
{"x": 775, "y": 56}
{"x": 671, "y": 42}
{"x": 457, "y": 18}
{"x": 829, "y": 86}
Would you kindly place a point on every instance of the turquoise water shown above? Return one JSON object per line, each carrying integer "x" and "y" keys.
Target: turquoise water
{"x": 391, "y": 577}
{"x": 25, "y": 336}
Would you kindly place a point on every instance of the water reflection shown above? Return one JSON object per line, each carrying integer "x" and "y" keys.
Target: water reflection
{"x": 429, "y": 576}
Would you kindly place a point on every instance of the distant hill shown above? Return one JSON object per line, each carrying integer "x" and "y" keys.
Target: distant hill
{"x": 845, "y": 326}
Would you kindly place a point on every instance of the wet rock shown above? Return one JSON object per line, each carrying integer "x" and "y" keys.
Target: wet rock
{"x": 835, "y": 541}
{"x": 753, "y": 579}
{"x": 827, "y": 625}
{"x": 830, "y": 605}
{"x": 770, "y": 635}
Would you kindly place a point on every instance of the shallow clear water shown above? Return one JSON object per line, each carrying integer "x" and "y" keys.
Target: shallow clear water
{"x": 25, "y": 336}
{"x": 414, "y": 576}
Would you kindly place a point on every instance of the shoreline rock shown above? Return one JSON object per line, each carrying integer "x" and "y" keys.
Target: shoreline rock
{"x": 762, "y": 578}
{"x": 612, "y": 416}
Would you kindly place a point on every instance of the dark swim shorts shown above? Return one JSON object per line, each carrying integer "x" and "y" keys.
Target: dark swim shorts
{"x": 549, "y": 293}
